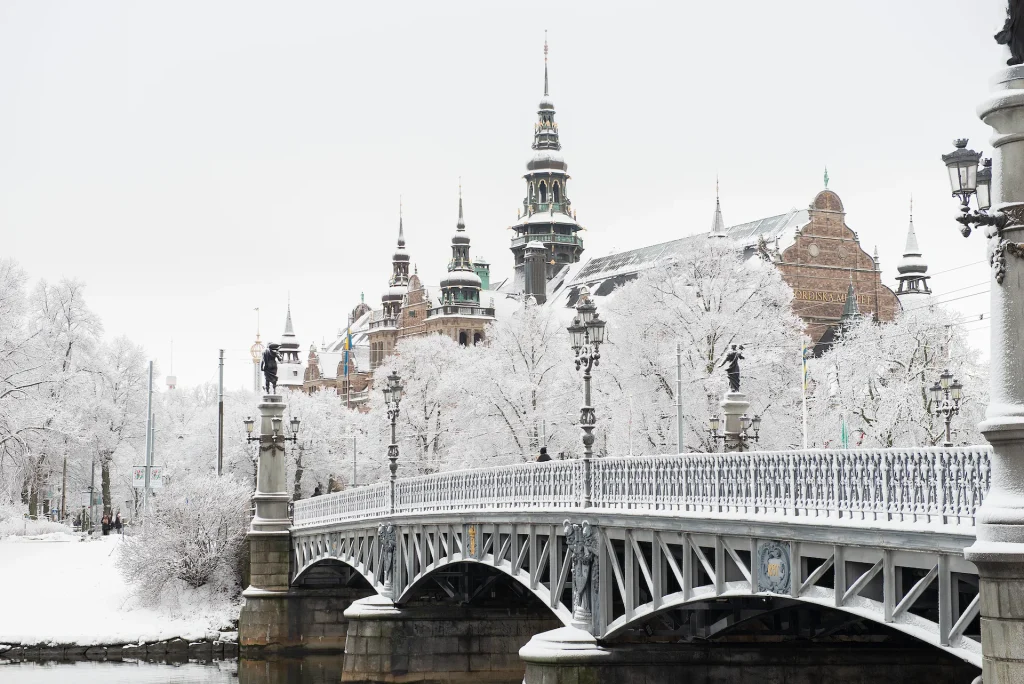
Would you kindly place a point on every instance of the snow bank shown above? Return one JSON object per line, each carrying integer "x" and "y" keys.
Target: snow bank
{"x": 71, "y": 593}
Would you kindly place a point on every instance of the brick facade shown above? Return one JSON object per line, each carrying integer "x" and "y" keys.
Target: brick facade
{"x": 824, "y": 259}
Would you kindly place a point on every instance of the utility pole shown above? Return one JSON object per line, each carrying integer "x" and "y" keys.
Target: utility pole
{"x": 680, "y": 438}
{"x": 220, "y": 417}
{"x": 353, "y": 459}
{"x": 149, "y": 442}
{"x": 92, "y": 496}
{"x": 64, "y": 490}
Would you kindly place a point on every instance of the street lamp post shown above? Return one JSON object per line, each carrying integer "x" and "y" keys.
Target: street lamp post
{"x": 946, "y": 395}
{"x": 587, "y": 332}
{"x": 393, "y": 397}
{"x": 750, "y": 429}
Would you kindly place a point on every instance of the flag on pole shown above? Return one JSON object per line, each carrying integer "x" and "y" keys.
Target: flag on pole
{"x": 348, "y": 345}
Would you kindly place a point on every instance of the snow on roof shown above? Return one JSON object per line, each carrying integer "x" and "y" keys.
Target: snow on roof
{"x": 783, "y": 227}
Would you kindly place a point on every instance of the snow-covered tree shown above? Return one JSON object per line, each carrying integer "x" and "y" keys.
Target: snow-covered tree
{"x": 707, "y": 299}
{"x": 876, "y": 378}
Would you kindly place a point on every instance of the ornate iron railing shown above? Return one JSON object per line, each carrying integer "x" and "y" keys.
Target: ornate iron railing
{"x": 914, "y": 485}
{"x": 369, "y": 501}
{"x": 555, "y": 484}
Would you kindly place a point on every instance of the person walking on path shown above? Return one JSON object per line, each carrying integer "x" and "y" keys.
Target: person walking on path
{"x": 543, "y": 455}
{"x": 117, "y": 522}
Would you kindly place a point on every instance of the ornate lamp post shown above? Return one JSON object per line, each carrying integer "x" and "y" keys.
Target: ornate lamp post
{"x": 587, "y": 332}
{"x": 742, "y": 439}
{"x": 393, "y": 397}
{"x": 946, "y": 395}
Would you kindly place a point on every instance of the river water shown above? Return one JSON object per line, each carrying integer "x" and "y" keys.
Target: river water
{"x": 310, "y": 670}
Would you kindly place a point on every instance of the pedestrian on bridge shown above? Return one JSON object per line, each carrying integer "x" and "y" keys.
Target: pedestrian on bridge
{"x": 543, "y": 455}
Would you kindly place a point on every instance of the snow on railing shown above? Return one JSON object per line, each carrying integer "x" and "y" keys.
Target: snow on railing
{"x": 369, "y": 501}
{"x": 554, "y": 484}
{"x": 917, "y": 485}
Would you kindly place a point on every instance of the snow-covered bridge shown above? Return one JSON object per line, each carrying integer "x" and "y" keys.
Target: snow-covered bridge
{"x": 608, "y": 543}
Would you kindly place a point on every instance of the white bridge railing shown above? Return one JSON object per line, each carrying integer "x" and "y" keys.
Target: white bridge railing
{"x": 917, "y": 485}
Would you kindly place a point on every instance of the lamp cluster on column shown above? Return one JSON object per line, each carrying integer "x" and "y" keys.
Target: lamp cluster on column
{"x": 947, "y": 393}
{"x": 966, "y": 179}
{"x": 587, "y": 332}
{"x": 750, "y": 429}
{"x": 293, "y": 424}
{"x": 393, "y": 397}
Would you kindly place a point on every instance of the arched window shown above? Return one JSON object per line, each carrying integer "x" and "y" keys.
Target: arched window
{"x": 543, "y": 193}
{"x": 533, "y": 193}
{"x": 462, "y": 338}
{"x": 477, "y": 338}
{"x": 556, "y": 195}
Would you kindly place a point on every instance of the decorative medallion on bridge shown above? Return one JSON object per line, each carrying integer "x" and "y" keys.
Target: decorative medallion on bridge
{"x": 582, "y": 546}
{"x": 773, "y": 567}
{"x": 472, "y": 541}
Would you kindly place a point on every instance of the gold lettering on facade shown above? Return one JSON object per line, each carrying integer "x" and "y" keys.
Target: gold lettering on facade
{"x": 829, "y": 297}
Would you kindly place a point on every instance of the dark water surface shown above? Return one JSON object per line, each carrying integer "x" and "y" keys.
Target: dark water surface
{"x": 310, "y": 670}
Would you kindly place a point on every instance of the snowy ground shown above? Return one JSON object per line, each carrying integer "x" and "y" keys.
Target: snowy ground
{"x": 57, "y": 589}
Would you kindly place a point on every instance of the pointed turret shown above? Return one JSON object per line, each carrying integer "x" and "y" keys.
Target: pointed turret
{"x": 912, "y": 267}
{"x": 850, "y": 309}
{"x": 717, "y": 222}
{"x": 546, "y": 215}
{"x": 462, "y": 284}
{"x": 290, "y": 371}
{"x": 398, "y": 284}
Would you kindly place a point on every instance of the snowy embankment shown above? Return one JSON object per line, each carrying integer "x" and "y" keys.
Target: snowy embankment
{"x": 58, "y": 589}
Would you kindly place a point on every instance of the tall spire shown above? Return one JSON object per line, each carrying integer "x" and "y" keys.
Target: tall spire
{"x": 545, "y": 62}
{"x": 717, "y": 222}
{"x": 401, "y": 230}
{"x": 289, "y": 331}
{"x": 461, "y": 225}
{"x": 912, "y": 267}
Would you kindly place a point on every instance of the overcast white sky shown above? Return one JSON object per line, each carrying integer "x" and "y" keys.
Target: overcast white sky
{"x": 193, "y": 160}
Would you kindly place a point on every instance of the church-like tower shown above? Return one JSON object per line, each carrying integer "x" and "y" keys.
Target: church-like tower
{"x": 383, "y": 327}
{"x": 399, "y": 282}
{"x": 912, "y": 267}
{"x": 290, "y": 372}
{"x": 460, "y": 314}
{"x": 462, "y": 284}
{"x": 546, "y": 214}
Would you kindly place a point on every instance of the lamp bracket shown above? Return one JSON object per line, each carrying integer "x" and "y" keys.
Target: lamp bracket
{"x": 1006, "y": 217}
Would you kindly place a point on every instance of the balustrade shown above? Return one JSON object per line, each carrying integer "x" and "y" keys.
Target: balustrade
{"x": 916, "y": 485}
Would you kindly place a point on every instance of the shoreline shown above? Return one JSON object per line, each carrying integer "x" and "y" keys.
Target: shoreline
{"x": 167, "y": 650}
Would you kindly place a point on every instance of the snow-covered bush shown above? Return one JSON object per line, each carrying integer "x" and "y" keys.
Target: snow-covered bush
{"x": 193, "y": 535}
{"x": 14, "y": 523}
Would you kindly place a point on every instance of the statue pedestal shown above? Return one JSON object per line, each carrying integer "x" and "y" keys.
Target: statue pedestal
{"x": 734, "y": 406}
{"x": 268, "y": 537}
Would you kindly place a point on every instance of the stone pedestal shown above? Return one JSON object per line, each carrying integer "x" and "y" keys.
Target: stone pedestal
{"x": 435, "y": 643}
{"x": 734, "y": 407}
{"x": 999, "y": 551}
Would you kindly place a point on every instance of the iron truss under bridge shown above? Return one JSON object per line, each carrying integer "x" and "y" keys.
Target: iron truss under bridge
{"x": 875, "y": 533}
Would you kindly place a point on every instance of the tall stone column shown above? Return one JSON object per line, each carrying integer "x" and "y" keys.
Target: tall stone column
{"x": 734, "y": 407}
{"x": 999, "y": 550}
{"x": 269, "y": 539}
